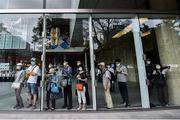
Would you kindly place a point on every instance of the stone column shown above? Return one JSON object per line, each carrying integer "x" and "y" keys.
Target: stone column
{"x": 169, "y": 52}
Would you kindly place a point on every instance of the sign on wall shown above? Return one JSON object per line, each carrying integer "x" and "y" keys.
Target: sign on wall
{"x": 4, "y": 66}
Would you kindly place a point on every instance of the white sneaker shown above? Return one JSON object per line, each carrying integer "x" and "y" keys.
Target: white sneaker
{"x": 83, "y": 108}
{"x": 79, "y": 108}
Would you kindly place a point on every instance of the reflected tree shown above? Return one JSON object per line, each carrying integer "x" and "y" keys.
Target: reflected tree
{"x": 104, "y": 30}
{"x": 37, "y": 30}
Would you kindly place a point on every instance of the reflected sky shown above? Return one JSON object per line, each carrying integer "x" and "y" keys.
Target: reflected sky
{"x": 22, "y": 4}
{"x": 20, "y": 25}
{"x": 38, "y": 4}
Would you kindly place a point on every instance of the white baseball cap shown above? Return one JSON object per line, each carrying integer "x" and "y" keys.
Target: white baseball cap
{"x": 19, "y": 64}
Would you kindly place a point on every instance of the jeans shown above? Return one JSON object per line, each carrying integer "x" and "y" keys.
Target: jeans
{"x": 81, "y": 96}
{"x": 32, "y": 88}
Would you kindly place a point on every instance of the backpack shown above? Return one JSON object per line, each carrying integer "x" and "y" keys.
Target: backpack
{"x": 112, "y": 76}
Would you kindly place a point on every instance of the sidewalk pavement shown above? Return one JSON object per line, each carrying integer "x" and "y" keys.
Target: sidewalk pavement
{"x": 118, "y": 114}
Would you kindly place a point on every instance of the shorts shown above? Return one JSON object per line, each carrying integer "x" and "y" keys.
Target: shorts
{"x": 32, "y": 88}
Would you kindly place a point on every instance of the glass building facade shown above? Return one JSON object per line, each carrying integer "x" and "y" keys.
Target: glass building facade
{"x": 92, "y": 31}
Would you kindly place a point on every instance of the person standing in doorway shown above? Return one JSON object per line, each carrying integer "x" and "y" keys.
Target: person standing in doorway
{"x": 106, "y": 84}
{"x": 150, "y": 79}
{"x": 161, "y": 84}
{"x": 51, "y": 82}
{"x": 121, "y": 72}
{"x": 67, "y": 85}
{"x": 79, "y": 64}
{"x": 81, "y": 80}
{"x": 32, "y": 74}
{"x": 19, "y": 78}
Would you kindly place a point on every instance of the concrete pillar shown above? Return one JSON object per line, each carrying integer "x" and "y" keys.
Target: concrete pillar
{"x": 169, "y": 51}
{"x": 163, "y": 4}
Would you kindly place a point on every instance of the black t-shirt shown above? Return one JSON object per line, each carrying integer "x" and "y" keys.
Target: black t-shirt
{"x": 83, "y": 76}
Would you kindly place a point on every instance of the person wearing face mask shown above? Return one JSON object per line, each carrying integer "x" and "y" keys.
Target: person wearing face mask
{"x": 79, "y": 64}
{"x": 19, "y": 78}
{"x": 67, "y": 77}
{"x": 106, "y": 76}
{"x": 161, "y": 84}
{"x": 51, "y": 81}
{"x": 32, "y": 72}
{"x": 150, "y": 79}
{"x": 121, "y": 72}
{"x": 82, "y": 80}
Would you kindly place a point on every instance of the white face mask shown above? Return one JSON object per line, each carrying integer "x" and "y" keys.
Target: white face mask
{"x": 33, "y": 63}
{"x": 18, "y": 67}
{"x": 80, "y": 69}
{"x": 158, "y": 67}
{"x": 64, "y": 64}
{"x": 118, "y": 64}
{"x": 148, "y": 62}
{"x": 78, "y": 64}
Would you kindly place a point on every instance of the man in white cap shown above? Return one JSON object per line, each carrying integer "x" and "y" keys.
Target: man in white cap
{"x": 32, "y": 72}
{"x": 106, "y": 84}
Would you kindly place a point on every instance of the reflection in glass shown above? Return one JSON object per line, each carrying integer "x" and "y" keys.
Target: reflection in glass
{"x": 113, "y": 39}
{"x": 16, "y": 46}
{"x": 161, "y": 43}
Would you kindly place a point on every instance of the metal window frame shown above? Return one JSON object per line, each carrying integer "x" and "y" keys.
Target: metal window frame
{"x": 87, "y": 11}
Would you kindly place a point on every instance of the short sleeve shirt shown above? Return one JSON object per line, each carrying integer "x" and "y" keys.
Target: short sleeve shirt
{"x": 33, "y": 79}
{"x": 120, "y": 76}
{"x": 107, "y": 77}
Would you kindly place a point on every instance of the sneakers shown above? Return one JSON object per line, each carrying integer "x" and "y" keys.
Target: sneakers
{"x": 127, "y": 105}
{"x": 84, "y": 108}
{"x": 19, "y": 107}
{"x": 29, "y": 106}
{"x": 47, "y": 108}
{"x": 15, "y": 106}
{"x": 34, "y": 107}
{"x": 69, "y": 108}
{"x": 64, "y": 106}
{"x": 109, "y": 108}
{"x": 52, "y": 109}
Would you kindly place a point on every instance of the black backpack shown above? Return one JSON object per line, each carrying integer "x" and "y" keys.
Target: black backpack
{"x": 112, "y": 76}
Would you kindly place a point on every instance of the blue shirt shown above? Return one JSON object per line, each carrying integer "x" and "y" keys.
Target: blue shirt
{"x": 67, "y": 74}
{"x": 50, "y": 80}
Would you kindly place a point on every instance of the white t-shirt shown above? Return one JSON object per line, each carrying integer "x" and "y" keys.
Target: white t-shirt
{"x": 35, "y": 69}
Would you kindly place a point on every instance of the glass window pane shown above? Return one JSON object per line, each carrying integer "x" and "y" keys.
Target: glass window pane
{"x": 67, "y": 39}
{"x": 161, "y": 43}
{"x": 114, "y": 45}
{"x": 16, "y": 46}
